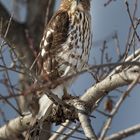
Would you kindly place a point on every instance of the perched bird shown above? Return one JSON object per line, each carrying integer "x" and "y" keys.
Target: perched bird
{"x": 65, "y": 46}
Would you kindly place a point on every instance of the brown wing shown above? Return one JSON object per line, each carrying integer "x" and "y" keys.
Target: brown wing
{"x": 54, "y": 36}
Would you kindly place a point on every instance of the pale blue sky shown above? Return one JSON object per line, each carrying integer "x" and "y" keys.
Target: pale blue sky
{"x": 106, "y": 20}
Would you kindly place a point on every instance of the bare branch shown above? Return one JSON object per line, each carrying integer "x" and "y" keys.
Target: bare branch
{"x": 100, "y": 89}
{"x": 85, "y": 121}
{"x": 15, "y": 127}
{"x": 56, "y": 135}
{"x": 132, "y": 21}
{"x": 70, "y": 132}
{"x": 124, "y": 133}
{"x": 97, "y": 91}
{"x": 116, "y": 108}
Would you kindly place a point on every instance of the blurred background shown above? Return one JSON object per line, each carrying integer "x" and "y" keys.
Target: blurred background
{"x": 107, "y": 21}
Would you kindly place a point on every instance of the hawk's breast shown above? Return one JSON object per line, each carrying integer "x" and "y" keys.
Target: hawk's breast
{"x": 66, "y": 44}
{"x": 75, "y": 51}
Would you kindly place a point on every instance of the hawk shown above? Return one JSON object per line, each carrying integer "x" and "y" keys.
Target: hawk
{"x": 65, "y": 46}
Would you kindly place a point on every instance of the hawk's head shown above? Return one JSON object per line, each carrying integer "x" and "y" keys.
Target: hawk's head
{"x": 72, "y": 5}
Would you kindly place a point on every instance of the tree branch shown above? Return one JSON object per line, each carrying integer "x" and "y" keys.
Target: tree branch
{"x": 85, "y": 121}
{"x": 114, "y": 80}
{"x": 15, "y": 127}
{"x": 56, "y": 135}
{"x": 124, "y": 133}
{"x": 110, "y": 83}
{"x": 97, "y": 91}
{"x": 116, "y": 108}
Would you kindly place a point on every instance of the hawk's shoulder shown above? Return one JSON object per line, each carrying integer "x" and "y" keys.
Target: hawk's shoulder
{"x": 60, "y": 21}
{"x": 56, "y": 31}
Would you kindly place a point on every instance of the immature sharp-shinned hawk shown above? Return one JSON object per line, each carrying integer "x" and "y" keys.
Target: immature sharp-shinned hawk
{"x": 65, "y": 46}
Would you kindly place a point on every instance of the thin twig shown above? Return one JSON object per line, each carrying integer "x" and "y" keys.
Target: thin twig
{"x": 124, "y": 133}
{"x": 128, "y": 10}
{"x": 116, "y": 108}
{"x": 10, "y": 104}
